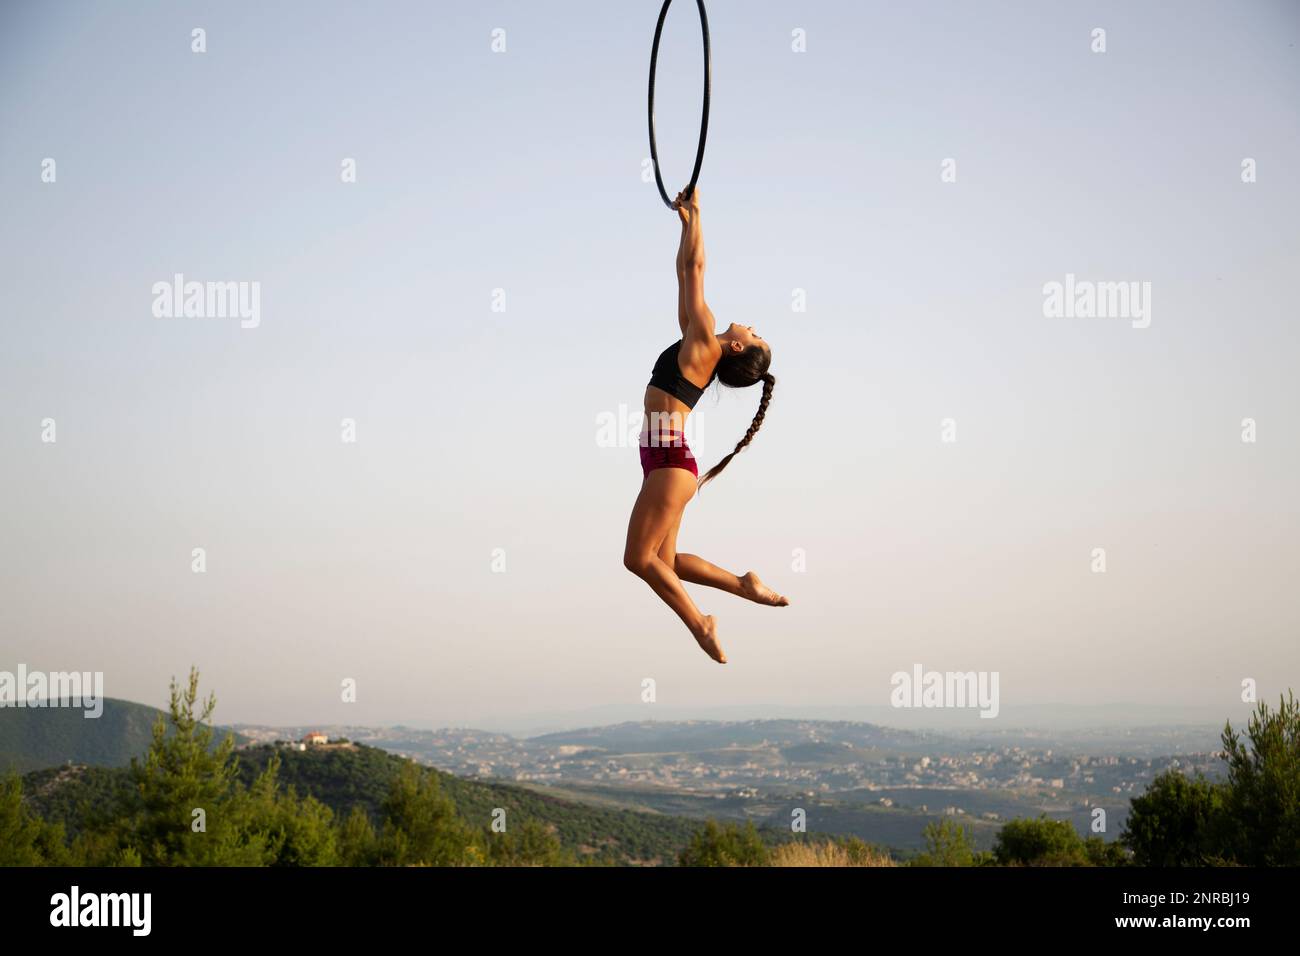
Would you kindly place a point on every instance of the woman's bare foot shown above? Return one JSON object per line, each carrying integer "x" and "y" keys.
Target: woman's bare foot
{"x": 758, "y": 592}
{"x": 707, "y": 638}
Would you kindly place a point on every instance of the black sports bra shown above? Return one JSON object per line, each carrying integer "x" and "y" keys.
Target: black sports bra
{"x": 667, "y": 375}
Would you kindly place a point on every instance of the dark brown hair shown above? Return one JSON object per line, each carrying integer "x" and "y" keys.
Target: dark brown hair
{"x": 741, "y": 370}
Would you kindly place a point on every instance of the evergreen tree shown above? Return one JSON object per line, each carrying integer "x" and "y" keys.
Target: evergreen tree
{"x": 532, "y": 845}
{"x": 295, "y": 831}
{"x": 421, "y": 826}
{"x": 1263, "y": 792}
{"x": 948, "y": 843}
{"x": 185, "y": 807}
{"x": 356, "y": 840}
{"x": 728, "y": 845}
{"x": 1252, "y": 818}
{"x": 26, "y": 839}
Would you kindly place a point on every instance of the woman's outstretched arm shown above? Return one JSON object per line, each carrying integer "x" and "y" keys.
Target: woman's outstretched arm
{"x": 699, "y": 325}
{"x": 681, "y": 272}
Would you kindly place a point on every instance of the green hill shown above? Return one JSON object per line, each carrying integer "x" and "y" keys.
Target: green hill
{"x": 32, "y": 738}
{"x": 342, "y": 777}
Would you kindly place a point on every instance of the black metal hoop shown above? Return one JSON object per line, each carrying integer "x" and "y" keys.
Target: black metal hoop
{"x": 704, "y": 113}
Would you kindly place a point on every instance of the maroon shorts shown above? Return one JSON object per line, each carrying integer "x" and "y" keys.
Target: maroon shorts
{"x": 669, "y": 450}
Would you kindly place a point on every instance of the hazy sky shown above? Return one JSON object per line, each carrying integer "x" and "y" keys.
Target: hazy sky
{"x": 477, "y": 429}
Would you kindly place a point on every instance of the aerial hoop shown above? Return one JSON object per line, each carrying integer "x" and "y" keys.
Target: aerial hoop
{"x": 704, "y": 113}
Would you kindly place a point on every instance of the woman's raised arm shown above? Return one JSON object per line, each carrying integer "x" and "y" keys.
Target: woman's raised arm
{"x": 693, "y": 312}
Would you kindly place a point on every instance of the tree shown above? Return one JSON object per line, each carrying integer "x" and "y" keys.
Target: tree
{"x": 26, "y": 839}
{"x": 1263, "y": 791}
{"x": 295, "y": 832}
{"x": 1178, "y": 821}
{"x": 1040, "y": 842}
{"x": 948, "y": 843}
{"x": 729, "y": 845}
{"x": 1252, "y": 818}
{"x": 185, "y": 807}
{"x": 421, "y": 826}
{"x": 1101, "y": 853}
{"x": 532, "y": 845}
{"x": 357, "y": 843}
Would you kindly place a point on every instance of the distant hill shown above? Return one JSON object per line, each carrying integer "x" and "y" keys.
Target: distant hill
{"x": 33, "y": 738}
{"x": 700, "y": 735}
{"x": 342, "y": 777}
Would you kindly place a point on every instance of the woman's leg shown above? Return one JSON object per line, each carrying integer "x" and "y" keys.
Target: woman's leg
{"x": 658, "y": 509}
{"x": 693, "y": 568}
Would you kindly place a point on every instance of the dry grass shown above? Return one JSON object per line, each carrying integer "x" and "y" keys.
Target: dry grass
{"x": 827, "y": 854}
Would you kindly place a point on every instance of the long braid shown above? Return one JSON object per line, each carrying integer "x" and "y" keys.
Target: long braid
{"x": 768, "y": 384}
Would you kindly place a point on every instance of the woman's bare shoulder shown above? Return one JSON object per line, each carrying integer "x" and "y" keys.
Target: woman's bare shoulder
{"x": 697, "y": 359}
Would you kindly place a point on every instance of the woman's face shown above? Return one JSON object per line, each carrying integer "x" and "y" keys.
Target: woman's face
{"x": 745, "y": 336}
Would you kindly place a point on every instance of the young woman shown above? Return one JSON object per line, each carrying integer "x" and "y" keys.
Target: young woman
{"x": 738, "y": 358}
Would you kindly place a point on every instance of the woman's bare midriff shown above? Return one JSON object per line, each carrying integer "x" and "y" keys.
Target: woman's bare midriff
{"x": 668, "y": 412}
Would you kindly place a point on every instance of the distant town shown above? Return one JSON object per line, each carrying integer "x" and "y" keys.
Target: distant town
{"x": 756, "y": 759}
